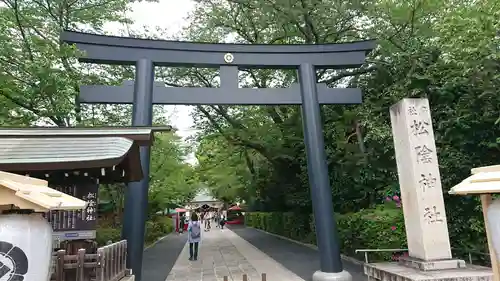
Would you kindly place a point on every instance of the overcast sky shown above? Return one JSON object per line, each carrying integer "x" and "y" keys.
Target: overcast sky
{"x": 170, "y": 15}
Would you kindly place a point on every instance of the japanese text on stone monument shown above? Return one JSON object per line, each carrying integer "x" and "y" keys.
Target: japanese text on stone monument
{"x": 432, "y": 215}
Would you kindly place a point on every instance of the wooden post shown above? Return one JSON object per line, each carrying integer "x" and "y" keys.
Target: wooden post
{"x": 114, "y": 257}
{"x": 124, "y": 255}
{"x": 485, "y": 203}
{"x": 107, "y": 264}
{"x": 225, "y": 278}
{"x": 245, "y": 277}
{"x": 100, "y": 265}
{"x": 122, "y": 259}
{"x": 264, "y": 277}
{"x": 80, "y": 262}
{"x": 60, "y": 265}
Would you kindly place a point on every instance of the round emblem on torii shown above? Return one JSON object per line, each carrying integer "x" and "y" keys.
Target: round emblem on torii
{"x": 228, "y": 58}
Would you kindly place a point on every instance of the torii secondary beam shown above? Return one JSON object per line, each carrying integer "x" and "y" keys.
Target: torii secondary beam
{"x": 200, "y": 96}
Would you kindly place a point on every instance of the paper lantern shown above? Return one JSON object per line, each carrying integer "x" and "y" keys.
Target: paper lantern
{"x": 25, "y": 247}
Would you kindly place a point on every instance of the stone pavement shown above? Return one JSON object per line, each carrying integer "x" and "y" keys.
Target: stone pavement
{"x": 159, "y": 259}
{"x": 224, "y": 253}
{"x": 300, "y": 259}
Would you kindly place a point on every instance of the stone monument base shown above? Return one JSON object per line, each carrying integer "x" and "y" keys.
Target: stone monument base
{"x": 432, "y": 265}
{"x": 394, "y": 271}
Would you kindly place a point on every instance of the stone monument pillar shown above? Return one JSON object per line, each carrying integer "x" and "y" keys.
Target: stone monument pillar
{"x": 423, "y": 204}
{"x": 420, "y": 183}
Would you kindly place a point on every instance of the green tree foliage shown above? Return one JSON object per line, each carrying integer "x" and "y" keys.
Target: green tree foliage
{"x": 214, "y": 156}
{"x": 172, "y": 180}
{"x": 39, "y": 75}
{"x": 447, "y": 51}
{"x": 40, "y": 79}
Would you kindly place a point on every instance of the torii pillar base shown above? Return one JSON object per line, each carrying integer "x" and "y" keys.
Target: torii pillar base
{"x": 332, "y": 276}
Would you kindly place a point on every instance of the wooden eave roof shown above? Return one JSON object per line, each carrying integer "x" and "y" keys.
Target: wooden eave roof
{"x": 53, "y": 149}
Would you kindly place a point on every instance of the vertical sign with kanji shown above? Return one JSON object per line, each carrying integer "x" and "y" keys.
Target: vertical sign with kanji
{"x": 420, "y": 180}
{"x": 90, "y": 213}
{"x": 76, "y": 220}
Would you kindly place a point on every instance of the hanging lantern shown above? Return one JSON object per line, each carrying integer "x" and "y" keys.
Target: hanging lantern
{"x": 25, "y": 235}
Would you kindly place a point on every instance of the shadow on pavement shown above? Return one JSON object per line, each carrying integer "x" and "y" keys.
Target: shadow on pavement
{"x": 297, "y": 258}
{"x": 159, "y": 259}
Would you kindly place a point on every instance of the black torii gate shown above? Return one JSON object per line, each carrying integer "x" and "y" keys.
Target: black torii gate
{"x": 144, "y": 92}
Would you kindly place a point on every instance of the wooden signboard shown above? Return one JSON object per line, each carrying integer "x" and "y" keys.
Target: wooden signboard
{"x": 77, "y": 224}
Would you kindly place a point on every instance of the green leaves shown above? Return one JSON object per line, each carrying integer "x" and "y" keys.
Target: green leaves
{"x": 446, "y": 51}
{"x": 39, "y": 77}
{"x": 172, "y": 181}
{"x": 222, "y": 167}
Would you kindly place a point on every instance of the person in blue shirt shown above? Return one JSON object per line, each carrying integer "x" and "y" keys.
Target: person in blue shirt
{"x": 194, "y": 236}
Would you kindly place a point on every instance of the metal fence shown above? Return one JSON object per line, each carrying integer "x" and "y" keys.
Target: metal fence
{"x": 367, "y": 251}
{"x": 473, "y": 257}
{"x": 108, "y": 264}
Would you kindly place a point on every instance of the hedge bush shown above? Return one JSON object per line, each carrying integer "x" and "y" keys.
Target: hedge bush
{"x": 105, "y": 234}
{"x": 379, "y": 228}
{"x": 157, "y": 227}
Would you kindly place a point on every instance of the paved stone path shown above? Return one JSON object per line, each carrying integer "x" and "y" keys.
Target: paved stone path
{"x": 224, "y": 253}
{"x": 234, "y": 252}
{"x": 159, "y": 259}
{"x": 300, "y": 259}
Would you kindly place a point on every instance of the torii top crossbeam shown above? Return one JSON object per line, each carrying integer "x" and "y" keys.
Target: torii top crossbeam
{"x": 125, "y": 51}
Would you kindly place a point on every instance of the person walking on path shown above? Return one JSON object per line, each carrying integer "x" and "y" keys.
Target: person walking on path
{"x": 222, "y": 221}
{"x": 182, "y": 221}
{"x": 207, "y": 218}
{"x": 194, "y": 236}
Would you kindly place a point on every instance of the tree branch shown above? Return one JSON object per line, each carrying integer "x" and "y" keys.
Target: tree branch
{"x": 345, "y": 74}
{"x": 15, "y": 7}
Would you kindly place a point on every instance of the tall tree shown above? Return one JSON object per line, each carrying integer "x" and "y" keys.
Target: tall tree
{"x": 172, "y": 180}
{"x": 425, "y": 50}
{"x": 38, "y": 79}
{"x": 215, "y": 157}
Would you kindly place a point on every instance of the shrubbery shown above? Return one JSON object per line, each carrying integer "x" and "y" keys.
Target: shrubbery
{"x": 157, "y": 227}
{"x": 379, "y": 228}
{"x": 107, "y": 233}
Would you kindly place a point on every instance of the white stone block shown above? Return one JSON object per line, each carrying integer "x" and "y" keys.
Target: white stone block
{"x": 420, "y": 180}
